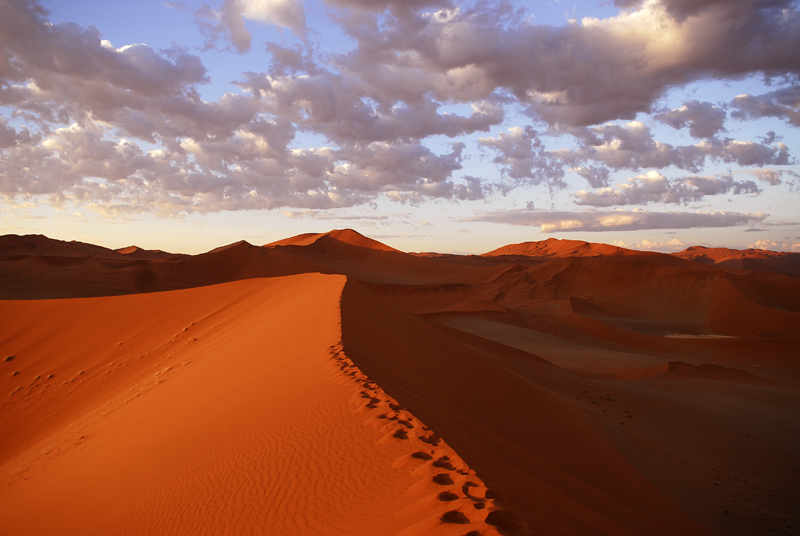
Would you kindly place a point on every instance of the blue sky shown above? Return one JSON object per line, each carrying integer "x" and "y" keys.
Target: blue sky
{"x": 432, "y": 125}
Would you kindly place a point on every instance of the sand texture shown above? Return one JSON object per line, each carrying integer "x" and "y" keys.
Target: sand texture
{"x": 330, "y": 384}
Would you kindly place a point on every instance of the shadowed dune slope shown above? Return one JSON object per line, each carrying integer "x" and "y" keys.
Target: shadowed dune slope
{"x": 347, "y": 252}
{"x": 782, "y": 262}
{"x": 542, "y": 458}
{"x": 216, "y": 410}
{"x": 51, "y": 276}
{"x": 42, "y": 245}
{"x": 136, "y": 252}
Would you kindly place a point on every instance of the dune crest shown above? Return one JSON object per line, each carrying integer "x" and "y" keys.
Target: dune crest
{"x": 228, "y": 408}
{"x": 346, "y": 236}
{"x": 554, "y": 247}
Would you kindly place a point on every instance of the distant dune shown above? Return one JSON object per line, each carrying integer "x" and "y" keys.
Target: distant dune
{"x": 330, "y": 384}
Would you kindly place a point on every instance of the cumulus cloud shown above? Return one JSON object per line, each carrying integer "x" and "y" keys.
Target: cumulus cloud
{"x": 783, "y": 103}
{"x": 617, "y": 220}
{"x": 771, "y": 176}
{"x": 228, "y": 22}
{"x": 654, "y": 245}
{"x": 632, "y": 146}
{"x": 126, "y": 128}
{"x": 703, "y": 118}
{"x": 522, "y": 157}
{"x": 775, "y": 245}
{"x": 584, "y": 73}
{"x": 653, "y": 187}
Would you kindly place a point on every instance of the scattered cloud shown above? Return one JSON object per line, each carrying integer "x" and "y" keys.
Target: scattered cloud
{"x": 653, "y": 187}
{"x": 703, "y": 118}
{"x": 770, "y": 176}
{"x": 227, "y": 24}
{"x": 124, "y": 129}
{"x": 782, "y": 103}
{"x": 649, "y": 245}
{"x": 775, "y": 245}
{"x": 617, "y": 220}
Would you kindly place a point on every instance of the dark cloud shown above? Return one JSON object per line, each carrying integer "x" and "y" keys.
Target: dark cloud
{"x": 680, "y": 10}
{"x": 578, "y": 74}
{"x": 628, "y": 4}
{"x": 551, "y": 221}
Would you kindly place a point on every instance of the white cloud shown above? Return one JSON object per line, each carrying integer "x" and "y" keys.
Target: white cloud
{"x": 775, "y": 245}
{"x": 617, "y": 220}
{"x": 653, "y": 245}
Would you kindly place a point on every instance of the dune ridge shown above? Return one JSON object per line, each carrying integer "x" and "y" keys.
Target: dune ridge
{"x": 215, "y": 436}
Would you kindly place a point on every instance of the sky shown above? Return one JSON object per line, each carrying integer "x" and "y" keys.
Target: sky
{"x": 431, "y": 125}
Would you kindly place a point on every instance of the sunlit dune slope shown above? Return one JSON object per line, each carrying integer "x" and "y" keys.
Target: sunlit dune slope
{"x": 584, "y": 383}
{"x": 554, "y": 247}
{"x": 217, "y": 410}
{"x": 347, "y": 236}
{"x": 541, "y": 457}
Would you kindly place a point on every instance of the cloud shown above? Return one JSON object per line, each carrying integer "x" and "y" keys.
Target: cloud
{"x": 522, "y": 157}
{"x": 651, "y": 245}
{"x": 632, "y": 146}
{"x": 228, "y": 22}
{"x": 617, "y": 220}
{"x": 287, "y": 13}
{"x": 586, "y": 72}
{"x": 596, "y": 176}
{"x": 653, "y": 187}
{"x": 347, "y": 110}
{"x": 125, "y": 129}
{"x": 766, "y": 243}
{"x": 771, "y": 176}
{"x": 703, "y": 118}
{"x": 782, "y": 103}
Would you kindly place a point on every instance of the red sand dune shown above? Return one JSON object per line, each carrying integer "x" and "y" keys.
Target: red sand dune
{"x": 329, "y": 384}
{"x": 347, "y": 236}
{"x": 781, "y": 262}
{"x": 139, "y": 253}
{"x": 554, "y": 247}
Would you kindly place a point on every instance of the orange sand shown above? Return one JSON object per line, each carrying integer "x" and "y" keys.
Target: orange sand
{"x": 330, "y": 384}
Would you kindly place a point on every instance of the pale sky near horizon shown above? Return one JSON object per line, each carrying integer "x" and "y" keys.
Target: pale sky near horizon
{"x": 431, "y": 125}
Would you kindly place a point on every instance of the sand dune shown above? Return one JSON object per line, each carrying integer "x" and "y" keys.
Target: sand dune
{"x": 553, "y": 247}
{"x": 215, "y": 410}
{"x": 330, "y": 384}
{"x": 781, "y": 262}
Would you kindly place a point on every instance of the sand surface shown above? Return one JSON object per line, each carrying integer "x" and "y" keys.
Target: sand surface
{"x": 330, "y": 384}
